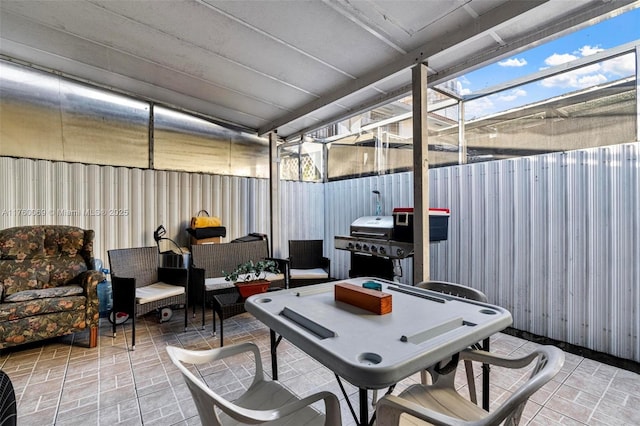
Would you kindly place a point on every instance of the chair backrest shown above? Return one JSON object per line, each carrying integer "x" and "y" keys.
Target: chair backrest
{"x": 453, "y": 289}
{"x": 305, "y": 254}
{"x": 140, "y": 263}
{"x": 8, "y": 410}
{"x": 216, "y": 259}
{"x": 548, "y": 362}
{"x": 204, "y": 397}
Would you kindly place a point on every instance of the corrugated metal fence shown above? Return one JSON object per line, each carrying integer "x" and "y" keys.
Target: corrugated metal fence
{"x": 124, "y": 205}
{"x": 553, "y": 238}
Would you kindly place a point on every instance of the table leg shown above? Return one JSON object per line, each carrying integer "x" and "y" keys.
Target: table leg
{"x": 364, "y": 407}
{"x": 485, "y": 378}
{"x": 274, "y": 355}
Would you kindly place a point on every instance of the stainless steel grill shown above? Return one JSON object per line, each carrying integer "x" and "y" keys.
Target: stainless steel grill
{"x": 373, "y": 250}
{"x": 373, "y": 235}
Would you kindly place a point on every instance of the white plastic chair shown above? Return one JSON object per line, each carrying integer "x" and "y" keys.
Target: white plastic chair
{"x": 263, "y": 402}
{"x": 465, "y": 292}
{"x": 440, "y": 404}
{"x": 470, "y": 293}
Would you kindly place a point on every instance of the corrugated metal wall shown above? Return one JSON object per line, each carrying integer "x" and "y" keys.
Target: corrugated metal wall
{"x": 347, "y": 200}
{"x": 124, "y": 205}
{"x": 302, "y": 212}
{"x": 553, "y": 238}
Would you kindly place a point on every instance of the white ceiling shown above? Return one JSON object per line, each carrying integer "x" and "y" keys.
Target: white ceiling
{"x": 290, "y": 66}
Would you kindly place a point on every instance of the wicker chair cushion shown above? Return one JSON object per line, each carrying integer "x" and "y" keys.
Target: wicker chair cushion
{"x": 157, "y": 291}
{"x": 274, "y": 277}
{"x": 220, "y": 283}
{"x": 308, "y": 274}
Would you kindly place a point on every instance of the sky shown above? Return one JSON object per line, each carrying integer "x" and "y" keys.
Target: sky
{"x": 610, "y": 33}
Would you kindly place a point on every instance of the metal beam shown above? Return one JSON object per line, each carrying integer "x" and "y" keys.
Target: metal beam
{"x": 558, "y": 69}
{"x": 590, "y": 16}
{"x": 274, "y": 195}
{"x": 420, "y": 176}
{"x": 462, "y": 138}
{"x": 637, "y": 91}
{"x": 484, "y": 23}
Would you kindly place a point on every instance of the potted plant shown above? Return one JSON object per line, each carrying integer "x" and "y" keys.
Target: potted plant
{"x": 250, "y": 277}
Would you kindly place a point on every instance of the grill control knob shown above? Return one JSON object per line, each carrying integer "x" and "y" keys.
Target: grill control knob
{"x": 382, "y": 250}
{"x": 350, "y": 246}
{"x": 374, "y": 249}
{"x": 365, "y": 247}
{"x": 400, "y": 252}
{"x": 358, "y": 246}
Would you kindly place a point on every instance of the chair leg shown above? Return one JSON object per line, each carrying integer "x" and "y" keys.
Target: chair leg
{"x": 213, "y": 332}
{"x": 93, "y": 337}
{"x": 468, "y": 366}
{"x": 221, "y": 332}
{"x": 204, "y": 305}
{"x": 203, "y": 312}
{"x": 114, "y": 322}
{"x": 186, "y": 312}
{"x": 133, "y": 333}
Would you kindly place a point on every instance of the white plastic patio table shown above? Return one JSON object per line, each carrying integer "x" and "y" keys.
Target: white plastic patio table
{"x": 374, "y": 351}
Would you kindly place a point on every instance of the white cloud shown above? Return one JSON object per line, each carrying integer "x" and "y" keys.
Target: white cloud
{"x": 589, "y": 50}
{"x": 591, "y": 80}
{"x": 590, "y": 75}
{"x": 578, "y": 79}
{"x": 513, "y": 62}
{"x": 479, "y": 107}
{"x": 465, "y": 91}
{"x": 621, "y": 66}
{"x": 559, "y": 58}
{"x": 512, "y": 95}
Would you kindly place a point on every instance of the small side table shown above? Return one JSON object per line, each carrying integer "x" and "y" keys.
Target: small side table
{"x": 226, "y": 304}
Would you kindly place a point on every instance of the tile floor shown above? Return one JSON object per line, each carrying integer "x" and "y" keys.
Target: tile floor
{"x": 62, "y": 382}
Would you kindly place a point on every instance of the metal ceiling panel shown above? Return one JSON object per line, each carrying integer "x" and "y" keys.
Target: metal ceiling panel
{"x": 279, "y": 64}
{"x": 319, "y": 31}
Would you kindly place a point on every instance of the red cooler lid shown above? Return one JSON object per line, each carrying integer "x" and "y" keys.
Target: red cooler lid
{"x": 439, "y": 211}
{"x": 403, "y": 210}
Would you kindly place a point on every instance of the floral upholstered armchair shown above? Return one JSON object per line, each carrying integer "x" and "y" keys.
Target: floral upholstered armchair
{"x": 47, "y": 285}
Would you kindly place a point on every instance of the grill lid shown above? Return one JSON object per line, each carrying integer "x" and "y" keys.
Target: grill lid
{"x": 380, "y": 227}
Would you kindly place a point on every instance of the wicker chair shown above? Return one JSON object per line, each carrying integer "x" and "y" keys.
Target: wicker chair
{"x": 307, "y": 263}
{"x": 208, "y": 286}
{"x": 140, "y": 286}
